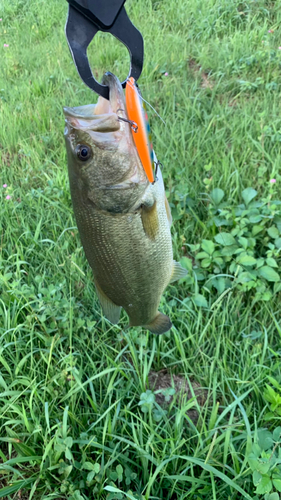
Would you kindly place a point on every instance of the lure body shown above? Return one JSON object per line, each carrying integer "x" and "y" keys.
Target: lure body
{"x": 136, "y": 112}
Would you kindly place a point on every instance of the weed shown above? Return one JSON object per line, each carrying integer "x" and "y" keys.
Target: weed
{"x": 264, "y": 461}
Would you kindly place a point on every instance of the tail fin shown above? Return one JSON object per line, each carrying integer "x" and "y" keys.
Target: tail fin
{"x": 160, "y": 324}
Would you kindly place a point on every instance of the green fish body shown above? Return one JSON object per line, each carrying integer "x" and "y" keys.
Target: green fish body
{"x": 123, "y": 220}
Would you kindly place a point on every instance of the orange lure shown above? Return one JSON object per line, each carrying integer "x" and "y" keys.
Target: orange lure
{"x": 142, "y": 136}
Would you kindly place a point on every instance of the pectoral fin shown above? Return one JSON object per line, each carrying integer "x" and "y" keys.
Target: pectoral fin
{"x": 160, "y": 324}
{"x": 150, "y": 221}
{"x": 110, "y": 310}
{"x": 178, "y": 272}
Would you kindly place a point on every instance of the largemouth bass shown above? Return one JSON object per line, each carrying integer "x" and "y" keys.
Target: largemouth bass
{"x": 123, "y": 220}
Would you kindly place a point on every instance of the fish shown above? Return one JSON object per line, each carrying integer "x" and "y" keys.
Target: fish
{"x": 123, "y": 220}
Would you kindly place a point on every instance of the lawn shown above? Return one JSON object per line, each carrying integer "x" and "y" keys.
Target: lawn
{"x": 89, "y": 410}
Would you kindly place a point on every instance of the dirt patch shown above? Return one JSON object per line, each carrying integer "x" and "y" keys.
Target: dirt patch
{"x": 233, "y": 103}
{"x": 6, "y": 157}
{"x": 20, "y": 495}
{"x": 193, "y": 65}
{"x": 5, "y": 478}
{"x": 196, "y": 69}
{"x": 164, "y": 380}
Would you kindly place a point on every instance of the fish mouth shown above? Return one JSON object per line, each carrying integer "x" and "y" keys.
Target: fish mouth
{"x": 81, "y": 116}
{"x": 116, "y": 102}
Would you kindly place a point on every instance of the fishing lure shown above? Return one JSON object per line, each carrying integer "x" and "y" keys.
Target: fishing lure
{"x": 137, "y": 114}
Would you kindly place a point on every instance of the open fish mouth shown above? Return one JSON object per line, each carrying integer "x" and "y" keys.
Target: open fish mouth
{"x": 106, "y": 113}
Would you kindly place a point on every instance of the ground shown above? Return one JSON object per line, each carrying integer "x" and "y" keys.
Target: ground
{"x": 91, "y": 410}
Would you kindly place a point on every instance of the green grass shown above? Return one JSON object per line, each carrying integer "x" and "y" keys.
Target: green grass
{"x": 71, "y": 383}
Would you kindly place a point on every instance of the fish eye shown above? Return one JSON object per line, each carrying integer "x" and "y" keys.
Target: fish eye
{"x": 83, "y": 152}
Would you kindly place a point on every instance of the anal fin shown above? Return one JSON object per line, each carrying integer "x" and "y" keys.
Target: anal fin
{"x": 160, "y": 324}
{"x": 110, "y": 310}
{"x": 178, "y": 272}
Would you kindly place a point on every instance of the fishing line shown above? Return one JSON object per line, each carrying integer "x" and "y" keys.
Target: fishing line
{"x": 152, "y": 108}
{"x": 157, "y": 165}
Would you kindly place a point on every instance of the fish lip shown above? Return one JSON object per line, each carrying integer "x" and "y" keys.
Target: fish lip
{"x": 116, "y": 93}
{"x": 80, "y": 112}
{"x": 123, "y": 185}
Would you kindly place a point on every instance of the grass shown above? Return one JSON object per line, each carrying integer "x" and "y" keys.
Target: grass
{"x": 72, "y": 426}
